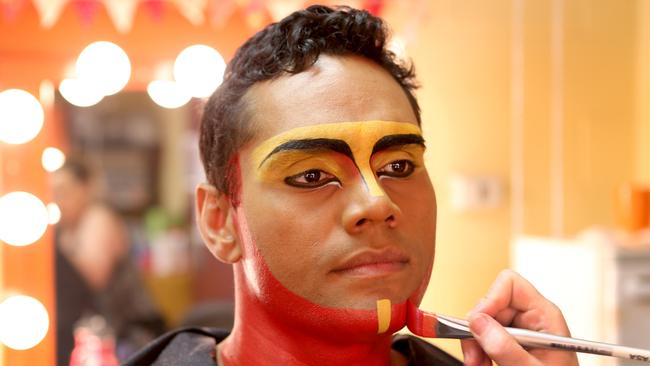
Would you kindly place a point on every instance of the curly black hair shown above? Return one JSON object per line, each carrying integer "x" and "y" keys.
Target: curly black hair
{"x": 290, "y": 46}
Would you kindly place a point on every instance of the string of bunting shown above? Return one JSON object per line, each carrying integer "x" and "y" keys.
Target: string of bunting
{"x": 197, "y": 12}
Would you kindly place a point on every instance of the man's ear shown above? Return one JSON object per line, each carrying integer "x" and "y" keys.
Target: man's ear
{"x": 215, "y": 225}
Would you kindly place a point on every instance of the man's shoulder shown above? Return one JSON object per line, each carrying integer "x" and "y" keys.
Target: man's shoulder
{"x": 196, "y": 346}
{"x": 421, "y": 352}
{"x": 186, "y": 346}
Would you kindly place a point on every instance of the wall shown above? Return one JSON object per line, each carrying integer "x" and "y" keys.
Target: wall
{"x": 573, "y": 135}
{"x": 643, "y": 95}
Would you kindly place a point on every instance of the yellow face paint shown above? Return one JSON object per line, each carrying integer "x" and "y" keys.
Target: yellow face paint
{"x": 383, "y": 315}
{"x": 326, "y": 147}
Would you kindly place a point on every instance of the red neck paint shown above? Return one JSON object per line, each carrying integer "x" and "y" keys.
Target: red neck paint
{"x": 274, "y": 326}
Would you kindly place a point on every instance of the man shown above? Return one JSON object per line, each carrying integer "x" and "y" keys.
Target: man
{"x": 319, "y": 198}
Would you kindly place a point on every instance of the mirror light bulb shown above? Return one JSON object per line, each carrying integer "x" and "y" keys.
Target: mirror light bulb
{"x": 105, "y": 65}
{"x": 199, "y": 69}
{"x": 23, "y": 322}
{"x": 21, "y": 116}
{"x": 23, "y": 218}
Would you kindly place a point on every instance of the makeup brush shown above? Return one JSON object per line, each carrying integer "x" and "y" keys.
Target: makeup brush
{"x": 431, "y": 325}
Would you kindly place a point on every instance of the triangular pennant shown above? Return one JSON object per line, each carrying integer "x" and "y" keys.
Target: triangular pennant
{"x": 121, "y": 13}
{"x": 86, "y": 10}
{"x": 374, "y": 7}
{"x": 154, "y": 8}
{"x": 11, "y": 8}
{"x": 220, "y": 11}
{"x": 49, "y": 11}
{"x": 192, "y": 10}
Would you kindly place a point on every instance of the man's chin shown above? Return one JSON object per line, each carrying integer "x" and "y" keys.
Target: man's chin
{"x": 367, "y": 301}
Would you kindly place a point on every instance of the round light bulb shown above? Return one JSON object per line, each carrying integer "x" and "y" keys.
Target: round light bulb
{"x": 200, "y": 70}
{"x": 23, "y": 218}
{"x": 80, "y": 92}
{"x": 21, "y": 116}
{"x": 105, "y": 65}
{"x": 23, "y": 322}
{"x": 53, "y": 213}
{"x": 52, "y": 159}
{"x": 168, "y": 94}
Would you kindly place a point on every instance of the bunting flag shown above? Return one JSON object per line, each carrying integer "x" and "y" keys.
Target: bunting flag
{"x": 121, "y": 13}
{"x": 192, "y": 10}
{"x": 87, "y": 9}
{"x": 374, "y": 6}
{"x": 155, "y": 8}
{"x": 49, "y": 11}
{"x": 220, "y": 11}
{"x": 11, "y": 8}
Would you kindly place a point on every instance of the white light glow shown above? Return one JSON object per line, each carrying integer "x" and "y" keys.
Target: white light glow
{"x": 80, "y": 92}
{"x": 398, "y": 46}
{"x": 23, "y": 322}
{"x": 105, "y": 65}
{"x": 21, "y": 116}
{"x": 168, "y": 94}
{"x": 200, "y": 70}
{"x": 52, "y": 159}
{"x": 23, "y": 218}
{"x": 53, "y": 213}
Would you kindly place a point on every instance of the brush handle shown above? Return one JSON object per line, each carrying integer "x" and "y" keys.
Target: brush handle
{"x": 529, "y": 338}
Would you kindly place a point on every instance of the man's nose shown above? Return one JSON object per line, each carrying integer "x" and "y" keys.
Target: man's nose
{"x": 365, "y": 210}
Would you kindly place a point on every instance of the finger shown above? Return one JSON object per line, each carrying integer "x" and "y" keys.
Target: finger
{"x": 473, "y": 354}
{"x": 510, "y": 290}
{"x": 497, "y": 343}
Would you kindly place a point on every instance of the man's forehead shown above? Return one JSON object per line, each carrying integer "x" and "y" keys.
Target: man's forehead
{"x": 334, "y": 89}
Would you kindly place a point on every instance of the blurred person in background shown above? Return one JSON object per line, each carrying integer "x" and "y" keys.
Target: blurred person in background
{"x": 94, "y": 274}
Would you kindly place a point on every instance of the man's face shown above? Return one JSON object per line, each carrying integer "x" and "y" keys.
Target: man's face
{"x": 333, "y": 188}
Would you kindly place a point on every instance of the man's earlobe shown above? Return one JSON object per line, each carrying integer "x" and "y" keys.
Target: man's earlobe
{"x": 215, "y": 225}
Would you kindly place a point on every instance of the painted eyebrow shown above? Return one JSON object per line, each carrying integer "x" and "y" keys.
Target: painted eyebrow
{"x": 338, "y": 146}
{"x": 397, "y": 140}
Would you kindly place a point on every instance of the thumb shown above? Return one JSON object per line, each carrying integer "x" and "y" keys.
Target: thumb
{"x": 497, "y": 343}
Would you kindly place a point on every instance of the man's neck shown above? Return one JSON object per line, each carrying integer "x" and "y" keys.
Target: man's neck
{"x": 306, "y": 335}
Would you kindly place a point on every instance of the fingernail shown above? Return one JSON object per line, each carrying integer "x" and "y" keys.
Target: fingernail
{"x": 478, "y": 324}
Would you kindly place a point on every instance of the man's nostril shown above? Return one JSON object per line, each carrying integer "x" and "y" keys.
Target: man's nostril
{"x": 360, "y": 222}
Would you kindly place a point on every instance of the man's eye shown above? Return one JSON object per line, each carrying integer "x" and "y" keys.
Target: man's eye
{"x": 397, "y": 169}
{"x": 310, "y": 179}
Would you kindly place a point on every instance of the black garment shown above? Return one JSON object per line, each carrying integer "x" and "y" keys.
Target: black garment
{"x": 73, "y": 299}
{"x": 196, "y": 347}
{"x": 125, "y": 304}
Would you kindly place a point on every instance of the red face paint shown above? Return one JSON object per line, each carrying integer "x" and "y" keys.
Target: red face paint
{"x": 275, "y": 326}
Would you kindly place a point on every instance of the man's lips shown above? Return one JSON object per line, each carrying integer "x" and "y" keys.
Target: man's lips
{"x": 373, "y": 263}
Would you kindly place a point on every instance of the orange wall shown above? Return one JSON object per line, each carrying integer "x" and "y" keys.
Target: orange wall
{"x": 643, "y": 95}
{"x": 28, "y": 270}
{"x": 33, "y": 54}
